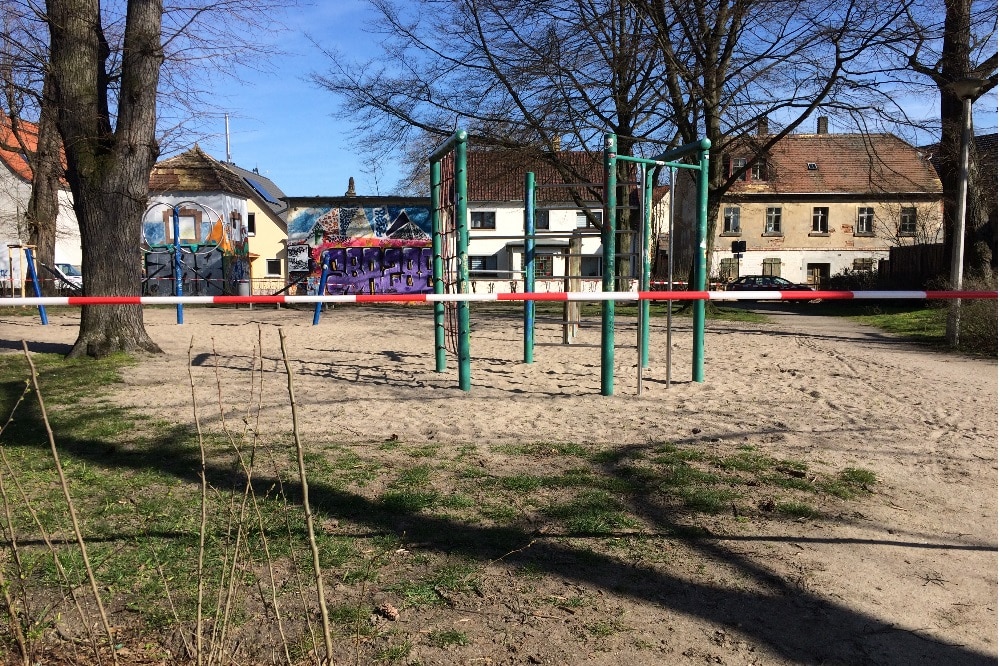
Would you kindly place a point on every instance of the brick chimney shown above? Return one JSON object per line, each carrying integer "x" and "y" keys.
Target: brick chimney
{"x": 822, "y": 125}
{"x": 762, "y": 129}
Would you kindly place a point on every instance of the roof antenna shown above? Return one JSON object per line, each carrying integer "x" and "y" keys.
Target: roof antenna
{"x": 229, "y": 157}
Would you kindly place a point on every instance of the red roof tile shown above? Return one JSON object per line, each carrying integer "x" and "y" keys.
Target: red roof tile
{"x": 10, "y": 148}
{"x": 499, "y": 176}
{"x": 844, "y": 164}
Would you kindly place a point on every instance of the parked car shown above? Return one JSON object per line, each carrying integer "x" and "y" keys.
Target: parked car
{"x": 766, "y": 283}
{"x": 71, "y": 274}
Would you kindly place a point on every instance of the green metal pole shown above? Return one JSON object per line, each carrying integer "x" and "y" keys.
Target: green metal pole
{"x": 440, "y": 353}
{"x": 461, "y": 212}
{"x": 698, "y": 345}
{"x": 529, "y": 266}
{"x": 646, "y": 183}
{"x": 608, "y": 278}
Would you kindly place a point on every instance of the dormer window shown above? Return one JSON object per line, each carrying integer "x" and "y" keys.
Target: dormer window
{"x": 811, "y": 166}
{"x": 742, "y": 170}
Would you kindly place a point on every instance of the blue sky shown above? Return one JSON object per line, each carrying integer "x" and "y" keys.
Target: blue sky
{"x": 284, "y": 125}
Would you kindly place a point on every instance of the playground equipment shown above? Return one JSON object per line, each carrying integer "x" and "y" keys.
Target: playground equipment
{"x": 449, "y": 221}
{"x": 451, "y": 260}
{"x": 29, "y": 261}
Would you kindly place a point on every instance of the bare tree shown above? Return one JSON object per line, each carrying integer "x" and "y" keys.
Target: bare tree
{"x": 747, "y": 73}
{"x": 28, "y": 93}
{"x": 520, "y": 75}
{"x": 962, "y": 48}
{"x": 106, "y": 65}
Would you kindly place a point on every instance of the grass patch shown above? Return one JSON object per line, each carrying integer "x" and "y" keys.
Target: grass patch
{"x": 447, "y": 638}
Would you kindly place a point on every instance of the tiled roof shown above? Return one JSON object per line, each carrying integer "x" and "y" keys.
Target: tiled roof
{"x": 195, "y": 171}
{"x": 844, "y": 164}
{"x": 499, "y": 175}
{"x": 10, "y": 147}
{"x": 495, "y": 176}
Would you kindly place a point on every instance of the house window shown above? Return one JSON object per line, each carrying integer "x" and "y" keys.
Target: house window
{"x": 738, "y": 167}
{"x": 866, "y": 221}
{"x": 821, "y": 220}
{"x": 772, "y": 221}
{"x": 251, "y": 224}
{"x": 484, "y": 220}
{"x": 483, "y": 267}
{"x": 864, "y": 265}
{"x": 273, "y": 266}
{"x": 731, "y": 220}
{"x": 541, "y": 220}
{"x": 771, "y": 266}
{"x": 728, "y": 269}
{"x": 543, "y": 266}
{"x": 591, "y": 266}
{"x": 581, "y": 218}
{"x": 908, "y": 222}
{"x": 759, "y": 170}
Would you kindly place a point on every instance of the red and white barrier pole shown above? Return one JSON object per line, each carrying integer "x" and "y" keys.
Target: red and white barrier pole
{"x": 546, "y": 296}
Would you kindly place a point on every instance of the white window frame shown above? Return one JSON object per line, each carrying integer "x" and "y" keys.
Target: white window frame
{"x": 821, "y": 220}
{"x": 583, "y": 223}
{"x": 731, "y": 220}
{"x": 483, "y": 219}
{"x": 772, "y": 220}
{"x": 865, "y": 225}
{"x": 908, "y": 221}
{"x": 483, "y": 265}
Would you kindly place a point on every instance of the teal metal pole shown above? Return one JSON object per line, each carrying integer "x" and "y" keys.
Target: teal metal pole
{"x": 461, "y": 213}
{"x": 646, "y": 183}
{"x": 440, "y": 353}
{"x": 608, "y": 278}
{"x": 701, "y": 265}
{"x": 529, "y": 266}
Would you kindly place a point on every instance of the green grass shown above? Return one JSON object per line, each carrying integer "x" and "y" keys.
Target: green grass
{"x": 446, "y": 638}
{"x": 415, "y": 525}
{"x": 923, "y": 324}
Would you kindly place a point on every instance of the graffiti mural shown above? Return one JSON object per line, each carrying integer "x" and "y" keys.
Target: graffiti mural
{"x": 213, "y": 262}
{"x": 361, "y": 249}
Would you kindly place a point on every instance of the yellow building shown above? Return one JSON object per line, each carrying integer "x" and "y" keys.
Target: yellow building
{"x": 817, "y": 205}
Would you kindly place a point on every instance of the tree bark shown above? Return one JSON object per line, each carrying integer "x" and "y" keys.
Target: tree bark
{"x": 108, "y": 168}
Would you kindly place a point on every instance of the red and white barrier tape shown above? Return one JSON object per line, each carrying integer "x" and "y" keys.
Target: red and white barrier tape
{"x": 547, "y": 296}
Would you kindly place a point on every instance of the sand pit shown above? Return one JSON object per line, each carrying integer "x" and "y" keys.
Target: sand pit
{"x": 908, "y": 576}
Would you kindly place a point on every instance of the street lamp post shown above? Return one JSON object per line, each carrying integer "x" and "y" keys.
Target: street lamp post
{"x": 967, "y": 90}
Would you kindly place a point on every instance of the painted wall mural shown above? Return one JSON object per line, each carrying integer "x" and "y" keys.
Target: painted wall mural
{"x": 363, "y": 249}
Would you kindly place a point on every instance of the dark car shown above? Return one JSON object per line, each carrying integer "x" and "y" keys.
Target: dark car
{"x": 766, "y": 283}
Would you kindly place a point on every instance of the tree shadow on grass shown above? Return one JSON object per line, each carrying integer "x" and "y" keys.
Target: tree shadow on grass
{"x": 794, "y": 623}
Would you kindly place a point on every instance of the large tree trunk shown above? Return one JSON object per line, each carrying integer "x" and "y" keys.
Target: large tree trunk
{"x": 43, "y": 205}
{"x": 956, "y": 64}
{"x": 108, "y": 170}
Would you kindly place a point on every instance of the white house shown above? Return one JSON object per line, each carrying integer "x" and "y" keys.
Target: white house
{"x": 15, "y": 191}
{"x": 496, "y": 194}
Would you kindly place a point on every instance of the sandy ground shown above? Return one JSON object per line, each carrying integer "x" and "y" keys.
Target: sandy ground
{"x": 910, "y": 579}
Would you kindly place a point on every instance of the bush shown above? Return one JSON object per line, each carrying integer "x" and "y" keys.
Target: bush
{"x": 978, "y": 326}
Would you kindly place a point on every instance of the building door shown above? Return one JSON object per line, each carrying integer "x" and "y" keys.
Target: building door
{"x": 817, "y": 275}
